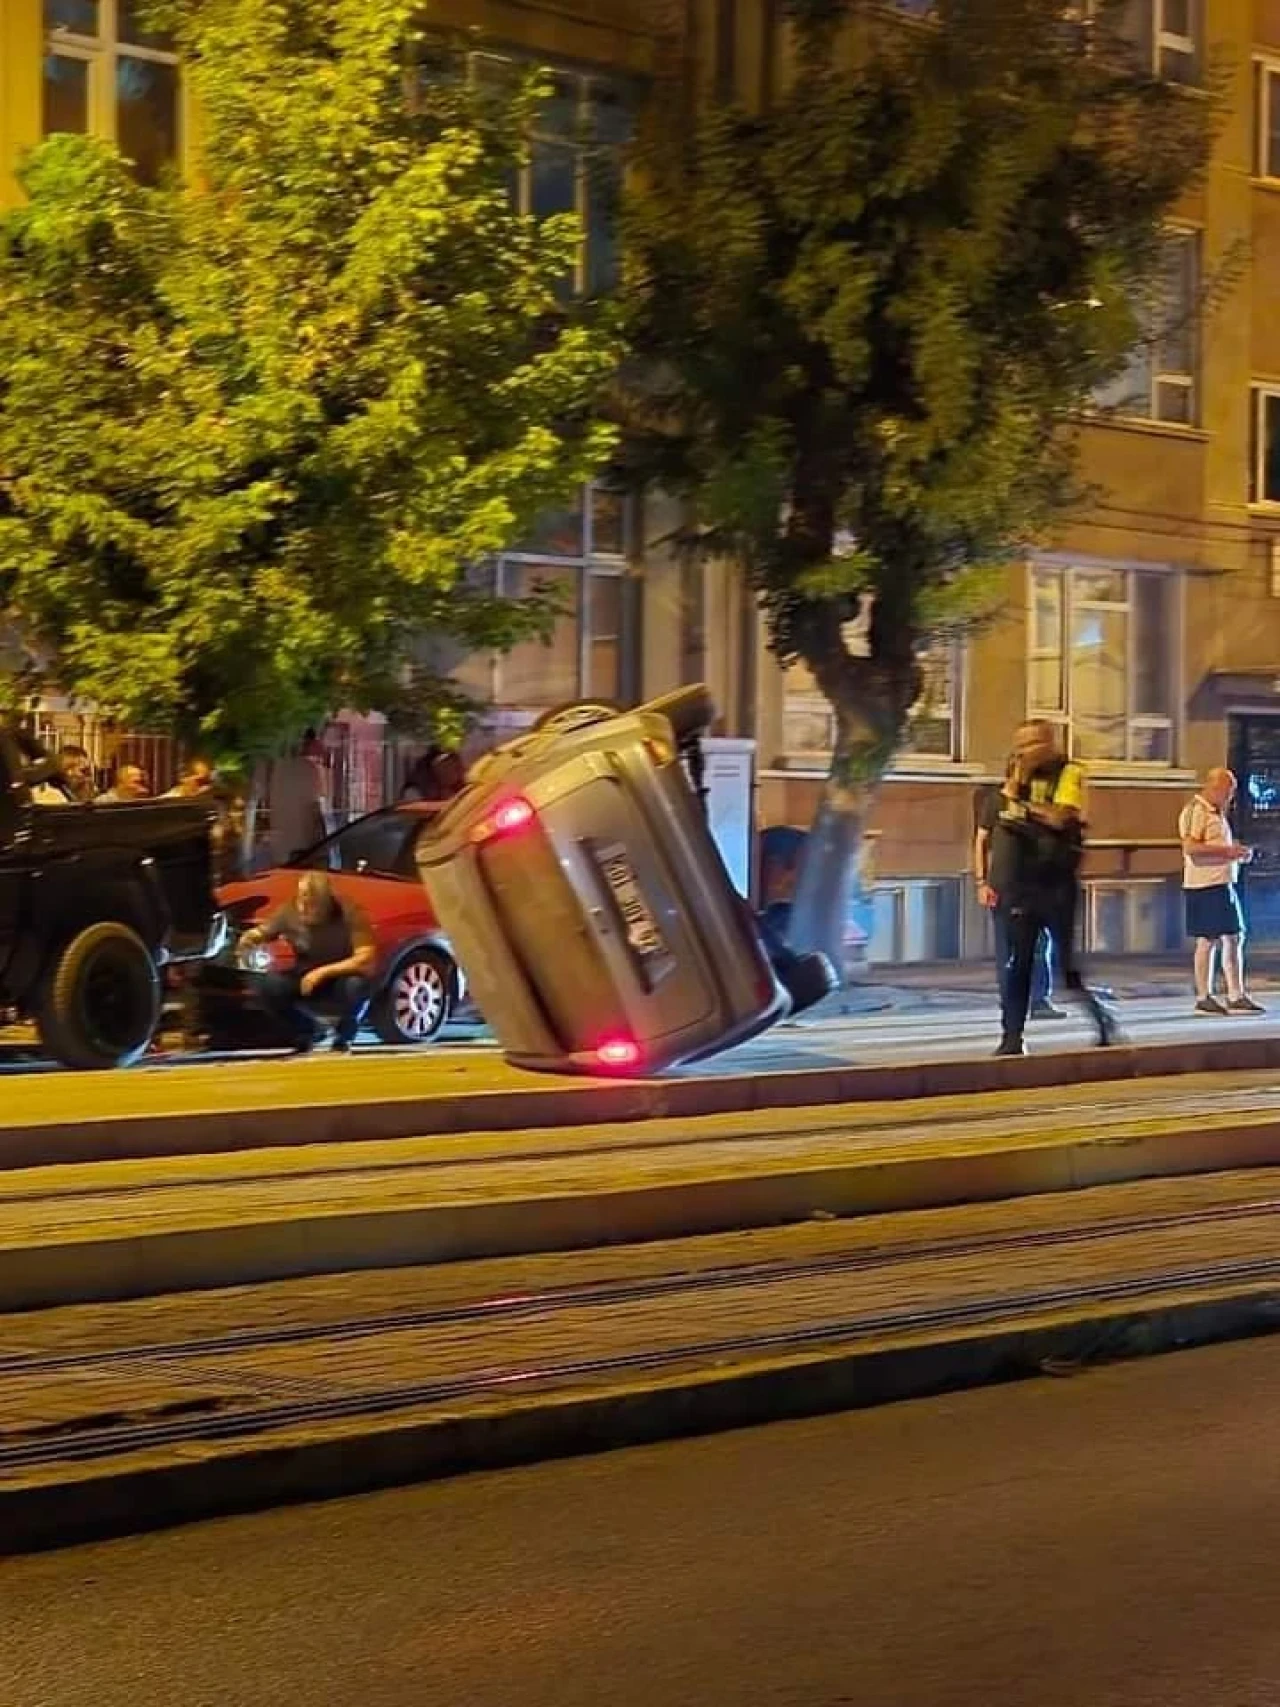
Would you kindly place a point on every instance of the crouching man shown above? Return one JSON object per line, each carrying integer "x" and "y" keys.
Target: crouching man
{"x": 334, "y": 952}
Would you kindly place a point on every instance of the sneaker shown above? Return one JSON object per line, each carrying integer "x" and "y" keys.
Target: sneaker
{"x": 1210, "y": 1005}
{"x": 1245, "y": 1005}
{"x": 1011, "y": 1046}
{"x": 302, "y": 1045}
{"x": 341, "y": 1046}
{"x": 1046, "y": 1010}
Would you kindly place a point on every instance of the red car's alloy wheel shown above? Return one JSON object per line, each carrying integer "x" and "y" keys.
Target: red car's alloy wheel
{"x": 414, "y": 1004}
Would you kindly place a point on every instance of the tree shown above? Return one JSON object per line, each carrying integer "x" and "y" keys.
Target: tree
{"x": 256, "y": 428}
{"x": 877, "y": 311}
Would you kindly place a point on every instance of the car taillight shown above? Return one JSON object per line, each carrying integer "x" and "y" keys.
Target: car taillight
{"x": 511, "y": 816}
{"x": 619, "y": 1052}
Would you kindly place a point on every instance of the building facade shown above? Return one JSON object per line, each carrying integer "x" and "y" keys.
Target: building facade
{"x": 1150, "y": 632}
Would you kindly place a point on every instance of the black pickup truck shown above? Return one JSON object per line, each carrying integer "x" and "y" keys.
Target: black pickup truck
{"x": 94, "y": 901}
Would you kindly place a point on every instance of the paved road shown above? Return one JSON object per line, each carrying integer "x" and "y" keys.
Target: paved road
{"x": 1104, "y": 1541}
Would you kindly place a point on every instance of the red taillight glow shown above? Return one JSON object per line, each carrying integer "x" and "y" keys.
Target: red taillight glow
{"x": 618, "y": 1052}
{"x": 511, "y": 816}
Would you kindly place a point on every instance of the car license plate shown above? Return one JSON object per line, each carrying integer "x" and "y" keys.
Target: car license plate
{"x": 644, "y": 939}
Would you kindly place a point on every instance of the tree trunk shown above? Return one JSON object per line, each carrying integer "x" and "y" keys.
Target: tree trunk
{"x": 822, "y": 904}
{"x": 871, "y": 699}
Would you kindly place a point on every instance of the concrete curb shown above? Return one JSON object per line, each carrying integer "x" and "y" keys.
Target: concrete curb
{"x": 361, "y": 1457}
{"x": 596, "y": 1102}
{"x": 131, "y": 1263}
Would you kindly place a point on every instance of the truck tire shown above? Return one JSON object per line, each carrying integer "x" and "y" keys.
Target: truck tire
{"x": 101, "y": 1003}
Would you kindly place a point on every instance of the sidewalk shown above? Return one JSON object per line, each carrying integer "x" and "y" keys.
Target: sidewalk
{"x": 918, "y": 1041}
{"x": 917, "y": 986}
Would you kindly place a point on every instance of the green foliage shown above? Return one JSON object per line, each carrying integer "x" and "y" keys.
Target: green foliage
{"x": 255, "y": 428}
{"x": 881, "y": 306}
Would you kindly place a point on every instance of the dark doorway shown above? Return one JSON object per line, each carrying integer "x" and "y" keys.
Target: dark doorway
{"x": 1254, "y": 755}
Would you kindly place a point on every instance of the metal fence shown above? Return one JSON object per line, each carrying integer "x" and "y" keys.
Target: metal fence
{"x": 366, "y": 768}
{"x": 108, "y": 748}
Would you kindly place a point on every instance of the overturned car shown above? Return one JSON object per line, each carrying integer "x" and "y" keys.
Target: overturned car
{"x": 582, "y": 891}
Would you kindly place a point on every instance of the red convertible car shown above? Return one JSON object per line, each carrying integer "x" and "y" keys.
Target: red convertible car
{"x": 417, "y": 984}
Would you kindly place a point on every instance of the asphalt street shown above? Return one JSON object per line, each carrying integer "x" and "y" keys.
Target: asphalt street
{"x": 1103, "y": 1540}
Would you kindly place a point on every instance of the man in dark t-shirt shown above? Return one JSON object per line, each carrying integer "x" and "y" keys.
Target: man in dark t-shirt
{"x": 334, "y": 954}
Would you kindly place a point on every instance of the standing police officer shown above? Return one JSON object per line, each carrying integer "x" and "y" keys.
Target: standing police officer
{"x": 1037, "y": 844}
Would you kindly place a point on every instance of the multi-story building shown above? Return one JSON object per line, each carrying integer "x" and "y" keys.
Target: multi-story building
{"x": 1150, "y": 632}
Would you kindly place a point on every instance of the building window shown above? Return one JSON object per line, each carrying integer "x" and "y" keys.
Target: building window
{"x": 1103, "y": 660}
{"x": 1127, "y": 917}
{"x": 582, "y": 550}
{"x": 105, "y": 75}
{"x": 933, "y": 723}
{"x": 1168, "y": 35}
{"x": 575, "y": 162}
{"x": 1264, "y": 445}
{"x": 918, "y": 919}
{"x": 1266, "y": 118}
{"x": 1176, "y": 28}
{"x": 1159, "y": 382}
{"x": 808, "y": 722}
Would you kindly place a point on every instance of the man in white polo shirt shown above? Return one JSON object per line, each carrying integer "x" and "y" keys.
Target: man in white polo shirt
{"x": 1211, "y": 860}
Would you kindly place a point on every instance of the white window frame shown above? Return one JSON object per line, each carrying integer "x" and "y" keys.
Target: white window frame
{"x": 1066, "y": 568}
{"x": 817, "y": 706}
{"x": 1171, "y": 41}
{"x": 1157, "y": 38}
{"x": 587, "y": 83}
{"x": 902, "y": 934}
{"x": 1266, "y": 87}
{"x": 1133, "y": 891}
{"x": 102, "y": 54}
{"x": 1163, "y": 378}
{"x": 952, "y": 714}
{"x": 580, "y": 569}
{"x": 1259, "y": 394}
{"x": 59, "y": 45}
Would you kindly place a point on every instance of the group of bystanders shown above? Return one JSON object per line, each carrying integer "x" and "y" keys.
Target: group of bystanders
{"x": 1027, "y": 849}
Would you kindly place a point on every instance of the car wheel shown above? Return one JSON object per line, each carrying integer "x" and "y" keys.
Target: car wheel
{"x": 563, "y": 719}
{"x": 415, "y": 1001}
{"x": 101, "y": 1002}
